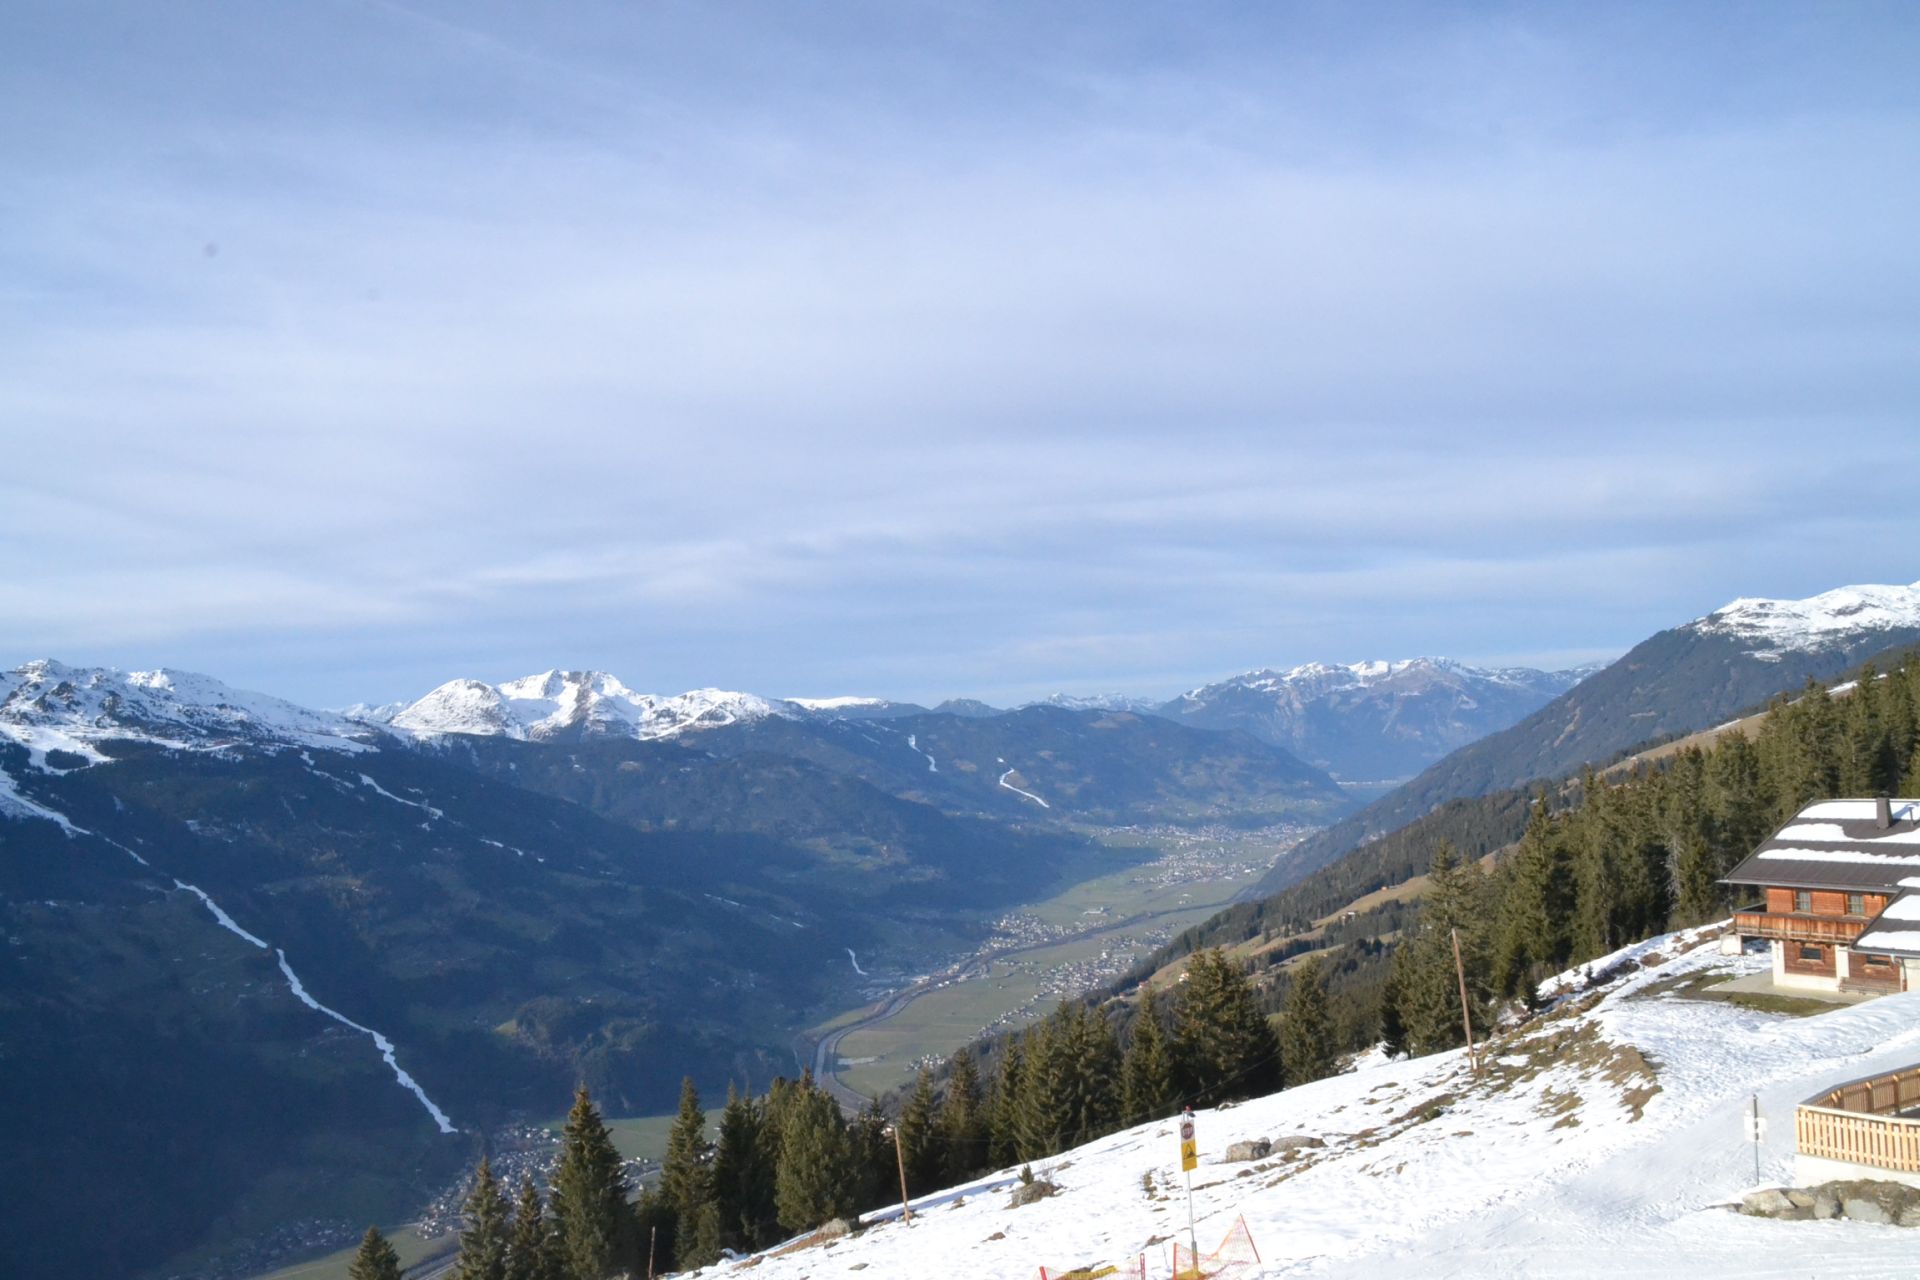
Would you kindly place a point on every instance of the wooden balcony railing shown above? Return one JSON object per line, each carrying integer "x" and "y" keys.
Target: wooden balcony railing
{"x": 1796, "y": 927}
{"x": 1859, "y": 1122}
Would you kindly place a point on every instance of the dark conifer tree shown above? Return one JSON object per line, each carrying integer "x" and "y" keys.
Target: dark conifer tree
{"x": 963, "y": 1120}
{"x": 533, "y": 1252}
{"x": 686, "y": 1181}
{"x": 589, "y": 1196}
{"x": 921, "y": 1142}
{"x": 1307, "y": 1048}
{"x": 875, "y": 1172}
{"x": 1426, "y": 979}
{"x": 816, "y": 1176}
{"x": 1148, "y": 1090}
{"x": 1004, "y": 1103}
{"x": 1530, "y": 934}
{"x": 742, "y": 1174}
{"x": 487, "y": 1232}
{"x": 1223, "y": 1042}
{"x": 375, "y": 1259}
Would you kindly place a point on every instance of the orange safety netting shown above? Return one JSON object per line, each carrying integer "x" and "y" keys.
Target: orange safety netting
{"x": 1132, "y": 1269}
{"x": 1235, "y": 1259}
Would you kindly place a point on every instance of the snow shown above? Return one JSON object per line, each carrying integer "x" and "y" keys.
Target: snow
{"x": 431, "y": 812}
{"x": 1017, "y": 791}
{"x": 1843, "y": 855}
{"x": 855, "y": 960}
{"x": 1313, "y": 680}
{"x": 1430, "y": 1172}
{"x": 300, "y": 993}
{"x": 913, "y": 742}
{"x": 47, "y": 706}
{"x": 380, "y": 1042}
{"x": 225, "y": 921}
{"x": 553, "y": 702}
{"x": 842, "y": 703}
{"x": 1778, "y": 627}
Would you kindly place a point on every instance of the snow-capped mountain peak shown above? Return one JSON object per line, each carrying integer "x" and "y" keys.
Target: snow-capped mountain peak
{"x": 1776, "y": 627}
{"x": 1374, "y": 719}
{"x": 556, "y": 703}
{"x": 49, "y": 706}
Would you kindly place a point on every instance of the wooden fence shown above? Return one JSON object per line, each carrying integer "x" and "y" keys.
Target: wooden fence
{"x": 1859, "y": 1122}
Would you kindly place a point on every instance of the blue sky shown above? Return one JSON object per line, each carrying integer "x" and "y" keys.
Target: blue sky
{"x": 929, "y": 349}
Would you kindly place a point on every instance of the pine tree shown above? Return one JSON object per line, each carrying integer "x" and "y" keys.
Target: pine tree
{"x": 1003, "y": 1105}
{"x": 589, "y": 1195}
{"x": 1148, "y": 1090}
{"x": 375, "y": 1259}
{"x": 875, "y": 1174}
{"x": 1307, "y": 1048}
{"x": 921, "y": 1143}
{"x": 686, "y": 1181}
{"x": 533, "y": 1251}
{"x": 488, "y": 1231}
{"x": 1426, "y": 983}
{"x": 1530, "y": 936}
{"x": 1223, "y": 1042}
{"x": 962, "y": 1120}
{"x": 816, "y": 1176}
{"x": 742, "y": 1174}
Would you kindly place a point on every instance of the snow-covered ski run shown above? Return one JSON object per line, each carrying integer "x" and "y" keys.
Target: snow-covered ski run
{"x": 1602, "y": 1141}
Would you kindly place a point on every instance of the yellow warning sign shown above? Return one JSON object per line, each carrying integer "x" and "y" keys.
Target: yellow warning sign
{"x": 1189, "y": 1154}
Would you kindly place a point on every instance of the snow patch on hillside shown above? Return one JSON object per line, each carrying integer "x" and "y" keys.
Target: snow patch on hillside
{"x": 1779, "y": 627}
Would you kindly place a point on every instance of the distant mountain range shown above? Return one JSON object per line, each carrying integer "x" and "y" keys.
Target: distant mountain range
{"x": 1366, "y": 721}
{"x": 1373, "y": 720}
{"x": 1683, "y": 679}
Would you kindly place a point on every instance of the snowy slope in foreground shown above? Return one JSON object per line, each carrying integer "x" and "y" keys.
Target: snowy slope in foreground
{"x": 1775, "y": 627}
{"x": 1540, "y": 1168}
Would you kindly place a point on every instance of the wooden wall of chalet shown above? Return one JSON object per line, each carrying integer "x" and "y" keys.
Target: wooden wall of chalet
{"x": 1796, "y": 963}
{"x": 1874, "y": 971}
{"x": 1826, "y": 902}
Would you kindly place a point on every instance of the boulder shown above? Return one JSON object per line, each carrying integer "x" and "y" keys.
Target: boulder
{"x": 1826, "y": 1203}
{"x": 1861, "y": 1209}
{"x": 835, "y": 1228}
{"x": 1257, "y": 1149}
{"x": 1771, "y": 1203}
{"x": 1296, "y": 1142}
{"x": 1801, "y": 1199}
{"x": 1029, "y": 1192}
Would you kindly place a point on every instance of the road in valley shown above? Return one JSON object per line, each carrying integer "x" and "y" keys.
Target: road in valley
{"x": 825, "y": 1051}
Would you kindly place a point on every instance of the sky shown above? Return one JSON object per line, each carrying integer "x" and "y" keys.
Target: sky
{"x": 931, "y": 349}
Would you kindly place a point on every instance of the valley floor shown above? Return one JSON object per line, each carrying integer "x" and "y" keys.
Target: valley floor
{"x": 1605, "y": 1140}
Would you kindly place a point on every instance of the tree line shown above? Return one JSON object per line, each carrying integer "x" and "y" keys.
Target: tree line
{"x": 1634, "y": 858}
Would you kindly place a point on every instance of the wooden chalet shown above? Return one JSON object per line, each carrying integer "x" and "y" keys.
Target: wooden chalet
{"x": 1842, "y": 897}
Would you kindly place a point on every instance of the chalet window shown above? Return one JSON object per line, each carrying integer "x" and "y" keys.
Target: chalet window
{"x": 1880, "y": 963}
{"x": 1856, "y": 904}
{"x": 1811, "y": 953}
{"x": 1802, "y": 900}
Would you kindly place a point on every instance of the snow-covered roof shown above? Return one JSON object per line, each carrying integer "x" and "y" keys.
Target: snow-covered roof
{"x": 1838, "y": 844}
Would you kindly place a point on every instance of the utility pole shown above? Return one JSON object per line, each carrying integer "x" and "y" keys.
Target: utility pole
{"x": 653, "y": 1239}
{"x": 900, "y": 1159}
{"x": 1466, "y": 1019}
